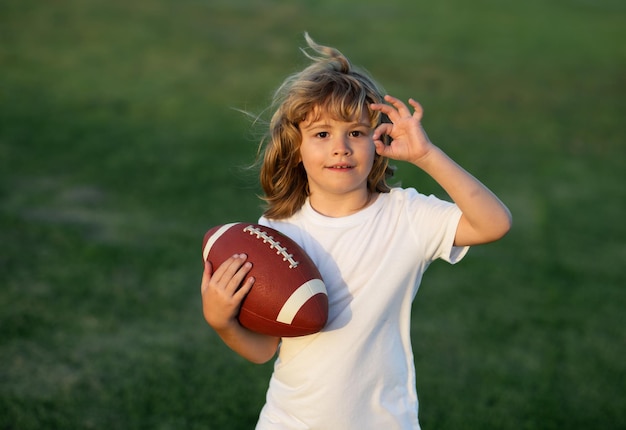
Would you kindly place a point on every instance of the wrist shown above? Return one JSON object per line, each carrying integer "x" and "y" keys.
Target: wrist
{"x": 426, "y": 158}
{"x": 225, "y": 328}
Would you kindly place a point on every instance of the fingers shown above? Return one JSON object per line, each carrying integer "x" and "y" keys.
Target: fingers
{"x": 402, "y": 109}
{"x": 418, "y": 110}
{"x": 231, "y": 273}
{"x": 224, "y": 289}
{"x": 244, "y": 289}
{"x": 396, "y": 109}
{"x": 229, "y": 276}
{"x": 384, "y": 108}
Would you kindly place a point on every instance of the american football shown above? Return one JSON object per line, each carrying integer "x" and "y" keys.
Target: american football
{"x": 289, "y": 297}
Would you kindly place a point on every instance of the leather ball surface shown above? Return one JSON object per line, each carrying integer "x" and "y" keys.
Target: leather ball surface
{"x": 288, "y": 297}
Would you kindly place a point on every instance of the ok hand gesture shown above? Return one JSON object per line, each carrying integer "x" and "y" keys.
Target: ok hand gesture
{"x": 410, "y": 142}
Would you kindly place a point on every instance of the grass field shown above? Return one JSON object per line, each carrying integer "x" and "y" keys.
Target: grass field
{"x": 120, "y": 146}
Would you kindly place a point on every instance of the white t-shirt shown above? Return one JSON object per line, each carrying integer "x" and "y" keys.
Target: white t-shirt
{"x": 358, "y": 372}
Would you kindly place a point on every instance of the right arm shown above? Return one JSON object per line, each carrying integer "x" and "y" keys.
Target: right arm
{"x": 222, "y": 294}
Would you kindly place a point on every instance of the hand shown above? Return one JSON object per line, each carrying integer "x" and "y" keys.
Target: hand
{"x": 410, "y": 142}
{"x": 223, "y": 291}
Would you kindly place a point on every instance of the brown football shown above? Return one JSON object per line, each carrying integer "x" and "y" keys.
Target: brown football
{"x": 289, "y": 297}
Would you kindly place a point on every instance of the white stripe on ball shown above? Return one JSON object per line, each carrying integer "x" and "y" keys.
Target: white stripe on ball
{"x": 220, "y": 231}
{"x": 298, "y": 298}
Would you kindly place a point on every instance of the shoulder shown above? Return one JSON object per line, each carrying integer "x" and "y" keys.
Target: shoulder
{"x": 420, "y": 211}
{"x": 282, "y": 223}
{"x": 291, "y": 226}
{"x": 411, "y": 199}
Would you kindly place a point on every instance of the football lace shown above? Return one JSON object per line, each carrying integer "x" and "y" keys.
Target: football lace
{"x": 274, "y": 244}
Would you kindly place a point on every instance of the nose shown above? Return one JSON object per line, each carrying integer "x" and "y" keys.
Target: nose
{"x": 342, "y": 146}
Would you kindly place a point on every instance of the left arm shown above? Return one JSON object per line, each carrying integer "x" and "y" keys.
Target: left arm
{"x": 485, "y": 218}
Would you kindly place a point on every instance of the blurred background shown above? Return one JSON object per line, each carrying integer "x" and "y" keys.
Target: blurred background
{"x": 121, "y": 143}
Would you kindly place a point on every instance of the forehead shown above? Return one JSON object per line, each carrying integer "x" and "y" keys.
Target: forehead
{"x": 321, "y": 114}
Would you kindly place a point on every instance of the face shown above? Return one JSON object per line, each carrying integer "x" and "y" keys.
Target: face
{"x": 337, "y": 157}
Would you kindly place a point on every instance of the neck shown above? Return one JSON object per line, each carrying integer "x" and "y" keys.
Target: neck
{"x": 341, "y": 205}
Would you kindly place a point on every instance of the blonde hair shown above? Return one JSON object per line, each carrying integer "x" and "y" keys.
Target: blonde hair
{"x": 331, "y": 85}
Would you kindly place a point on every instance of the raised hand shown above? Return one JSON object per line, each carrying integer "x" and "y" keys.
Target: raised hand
{"x": 409, "y": 140}
{"x": 485, "y": 218}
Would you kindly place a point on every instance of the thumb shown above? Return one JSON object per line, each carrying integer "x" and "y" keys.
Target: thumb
{"x": 206, "y": 276}
{"x": 381, "y": 148}
{"x": 382, "y": 129}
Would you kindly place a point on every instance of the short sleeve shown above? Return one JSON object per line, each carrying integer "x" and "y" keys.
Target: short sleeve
{"x": 434, "y": 223}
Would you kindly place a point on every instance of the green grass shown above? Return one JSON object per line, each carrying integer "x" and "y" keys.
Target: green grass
{"x": 119, "y": 148}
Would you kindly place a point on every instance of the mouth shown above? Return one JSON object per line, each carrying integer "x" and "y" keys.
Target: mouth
{"x": 340, "y": 167}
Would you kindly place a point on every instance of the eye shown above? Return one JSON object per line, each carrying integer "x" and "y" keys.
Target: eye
{"x": 322, "y": 134}
{"x": 357, "y": 133}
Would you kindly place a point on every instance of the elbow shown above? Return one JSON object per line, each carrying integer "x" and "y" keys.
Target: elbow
{"x": 490, "y": 230}
{"x": 261, "y": 358}
{"x": 509, "y": 221}
{"x": 504, "y": 225}
{"x": 497, "y": 229}
{"x": 263, "y": 352}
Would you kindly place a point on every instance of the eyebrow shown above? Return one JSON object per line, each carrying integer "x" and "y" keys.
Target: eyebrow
{"x": 317, "y": 125}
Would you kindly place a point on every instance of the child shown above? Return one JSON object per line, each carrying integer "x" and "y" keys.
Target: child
{"x": 324, "y": 176}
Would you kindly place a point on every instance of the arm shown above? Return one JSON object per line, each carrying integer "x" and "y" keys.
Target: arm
{"x": 485, "y": 218}
{"x": 222, "y": 293}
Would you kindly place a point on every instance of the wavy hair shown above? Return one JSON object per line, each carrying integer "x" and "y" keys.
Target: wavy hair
{"x": 330, "y": 85}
